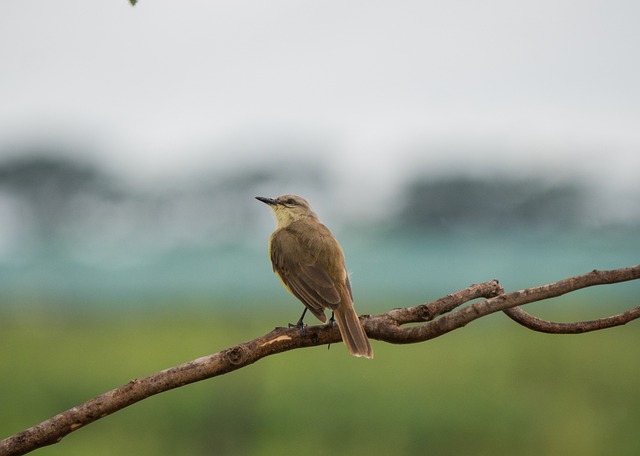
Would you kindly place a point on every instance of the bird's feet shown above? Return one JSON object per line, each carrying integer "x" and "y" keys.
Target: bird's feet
{"x": 300, "y": 325}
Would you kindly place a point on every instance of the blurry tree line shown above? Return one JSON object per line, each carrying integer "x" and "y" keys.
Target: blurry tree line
{"x": 463, "y": 203}
{"x": 46, "y": 197}
{"x": 51, "y": 198}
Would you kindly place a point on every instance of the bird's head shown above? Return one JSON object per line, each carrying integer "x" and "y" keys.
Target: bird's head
{"x": 288, "y": 208}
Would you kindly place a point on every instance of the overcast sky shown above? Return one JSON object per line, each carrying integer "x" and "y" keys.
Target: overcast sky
{"x": 384, "y": 87}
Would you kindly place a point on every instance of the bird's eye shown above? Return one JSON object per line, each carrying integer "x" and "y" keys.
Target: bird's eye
{"x": 291, "y": 201}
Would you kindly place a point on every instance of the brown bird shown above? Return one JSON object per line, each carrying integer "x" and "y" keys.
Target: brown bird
{"x": 310, "y": 264}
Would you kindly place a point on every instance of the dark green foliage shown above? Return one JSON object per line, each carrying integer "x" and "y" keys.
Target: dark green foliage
{"x": 462, "y": 203}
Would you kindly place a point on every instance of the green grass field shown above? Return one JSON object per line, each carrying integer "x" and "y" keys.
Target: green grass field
{"x": 492, "y": 388}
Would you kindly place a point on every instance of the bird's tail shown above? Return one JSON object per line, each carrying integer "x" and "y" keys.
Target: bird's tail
{"x": 351, "y": 330}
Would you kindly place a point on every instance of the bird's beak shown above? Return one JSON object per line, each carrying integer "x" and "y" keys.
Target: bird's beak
{"x": 269, "y": 201}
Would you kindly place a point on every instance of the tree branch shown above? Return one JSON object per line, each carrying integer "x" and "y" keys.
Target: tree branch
{"x": 551, "y": 327}
{"x": 435, "y": 319}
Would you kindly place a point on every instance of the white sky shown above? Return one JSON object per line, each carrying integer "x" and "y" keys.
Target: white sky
{"x": 390, "y": 86}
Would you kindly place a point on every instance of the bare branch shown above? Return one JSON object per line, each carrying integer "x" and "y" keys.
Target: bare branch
{"x": 382, "y": 328}
{"x": 389, "y": 327}
{"x": 538, "y": 324}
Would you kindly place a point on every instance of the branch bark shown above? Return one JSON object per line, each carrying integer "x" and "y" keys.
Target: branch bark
{"x": 435, "y": 319}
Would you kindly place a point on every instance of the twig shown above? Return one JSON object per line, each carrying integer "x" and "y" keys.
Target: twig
{"x": 552, "y": 327}
{"x": 385, "y": 327}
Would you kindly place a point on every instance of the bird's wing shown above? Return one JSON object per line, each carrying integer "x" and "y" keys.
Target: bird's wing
{"x": 299, "y": 271}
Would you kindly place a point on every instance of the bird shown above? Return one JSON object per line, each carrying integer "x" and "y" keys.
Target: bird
{"x": 310, "y": 264}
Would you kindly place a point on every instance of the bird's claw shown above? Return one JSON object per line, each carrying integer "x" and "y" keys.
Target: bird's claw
{"x": 300, "y": 325}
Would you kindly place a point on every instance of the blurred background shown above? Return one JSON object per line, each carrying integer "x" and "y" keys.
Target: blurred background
{"x": 443, "y": 143}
